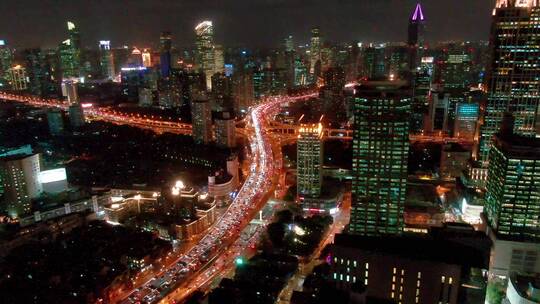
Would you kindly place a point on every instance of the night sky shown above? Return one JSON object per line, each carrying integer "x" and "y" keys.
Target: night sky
{"x": 255, "y": 23}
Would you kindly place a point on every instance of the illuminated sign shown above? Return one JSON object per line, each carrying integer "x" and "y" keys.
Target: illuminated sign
{"x": 70, "y": 25}
{"x": 2, "y": 42}
{"x": 139, "y": 68}
{"x": 427, "y": 59}
{"x": 51, "y": 176}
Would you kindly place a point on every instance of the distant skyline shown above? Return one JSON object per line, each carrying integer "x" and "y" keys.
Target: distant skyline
{"x": 250, "y": 23}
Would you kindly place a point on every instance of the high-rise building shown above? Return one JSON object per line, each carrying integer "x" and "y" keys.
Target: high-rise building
{"x": 70, "y": 91}
{"x": 6, "y": 61}
{"x": 35, "y": 71}
{"x": 439, "y": 105}
{"x": 201, "y": 117}
{"x": 512, "y": 78}
{"x": 146, "y": 58}
{"x": 204, "y": 32}
{"x": 106, "y": 60}
{"x": 146, "y": 97}
{"x": 314, "y": 50}
{"x": 309, "y": 160}
{"x": 76, "y": 116}
{"x": 289, "y": 44}
{"x": 165, "y": 41}
{"x": 467, "y": 114}
{"x": 55, "y": 120}
{"x": 512, "y": 198}
{"x": 17, "y": 78}
{"x": 416, "y": 39}
{"x": 219, "y": 59}
{"x": 70, "y": 53}
{"x": 225, "y": 130}
{"x": 455, "y": 67}
{"x": 512, "y": 205}
{"x": 20, "y": 181}
{"x": 242, "y": 90}
{"x": 380, "y": 153}
{"x": 221, "y": 92}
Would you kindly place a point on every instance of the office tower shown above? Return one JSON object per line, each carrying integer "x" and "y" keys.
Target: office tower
{"x": 512, "y": 200}
{"x": 70, "y": 91}
{"x": 201, "y": 117}
{"x": 6, "y": 61}
{"x": 76, "y": 116}
{"x": 314, "y": 51}
{"x": 309, "y": 161}
{"x": 17, "y": 78}
{"x": 374, "y": 63}
{"x": 421, "y": 100}
{"x": 221, "y": 92}
{"x": 455, "y": 67}
{"x": 55, "y": 120}
{"x": 416, "y": 39}
{"x": 289, "y": 44}
{"x": 169, "y": 93}
{"x": 132, "y": 79}
{"x": 300, "y": 72}
{"x": 438, "y": 112}
{"x": 268, "y": 82}
{"x": 242, "y": 90}
{"x": 204, "y": 32}
{"x": 146, "y": 58}
{"x": 225, "y": 130}
{"x": 106, "y": 60}
{"x": 146, "y": 97}
{"x": 35, "y": 71}
{"x": 467, "y": 114}
{"x": 513, "y": 72}
{"x": 70, "y": 53}
{"x": 512, "y": 206}
{"x": 219, "y": 60}
{"x": 380, "y": 153}
{"x": 20, "y": 180}
{"x": 165, "y": 41}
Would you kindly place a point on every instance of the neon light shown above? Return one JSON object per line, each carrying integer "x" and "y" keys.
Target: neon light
{"x": 418, "y": 13}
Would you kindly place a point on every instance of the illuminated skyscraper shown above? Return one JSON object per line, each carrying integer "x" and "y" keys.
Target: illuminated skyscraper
{"x": 514, "y": 72}
{"x": 20, "y": 183}
{"x": 17, "y": 78}
{"x": 35, "y": 71}
{"x": 6, "y": 60}
{"x": 512, "y": 199}
{"x": 70, "y": 53}
{"x": 380, "y": 153}
{"x": 289, "y": 44}
{"x": 106, "y": 60}
{"x": 165, "y": 41}
{"x": 201, "y": 117}
{"x": 146, "y": 58}
{"x": 314, "y": 51}
{"x": 219, "y": 60}
{"x": 55, "y": 120}
{"x": 309, "y": 160}
{"x": 205, "y": 50}
{"x": 225, "y": 130}
{"x": 416, "y": 39}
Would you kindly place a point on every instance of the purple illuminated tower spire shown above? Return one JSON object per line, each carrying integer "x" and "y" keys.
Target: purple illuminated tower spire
{"x": 415, "y": 40}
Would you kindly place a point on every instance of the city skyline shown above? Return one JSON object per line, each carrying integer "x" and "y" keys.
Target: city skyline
{"x": 142, "y": 23}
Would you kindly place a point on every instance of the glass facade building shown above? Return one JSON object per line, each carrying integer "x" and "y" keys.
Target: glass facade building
{"x": 380, "y": 153}
{"x": 513, "y": 196}
{"x": 309, "y": 160}
{"x": 513, "y": 77}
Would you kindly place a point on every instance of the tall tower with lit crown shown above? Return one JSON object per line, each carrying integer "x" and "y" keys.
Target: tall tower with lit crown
{"x": 416, "y": 35}
{"x": 205, "y": 50}
{"x": 514, "y": 70}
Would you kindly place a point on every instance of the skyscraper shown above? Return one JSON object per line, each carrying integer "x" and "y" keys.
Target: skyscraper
{"x": 201, "y": 117}
{"x": 314, "y": 51}
{"x": 35, "y": 71}
{"x": 55, "y": 121}
{"x": 512, "y": 199}
{"x": 106, "y": 60}
{"x": 17, "y": 78}
{"x": 514, "y": 70}
{"x": 19, "y": 176}
{"x": 309, "y": 160}
{"x": 70, "y": 53}
{"x": 225, "y": 130}
{"x": 6, "y": 60}
{"x": 416, "y": 39}
{"x": 289, "y": 44}
{"x": 205, "y": 50}
{"x": 380, "y": 153}
{"x": 165, "y": 41}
